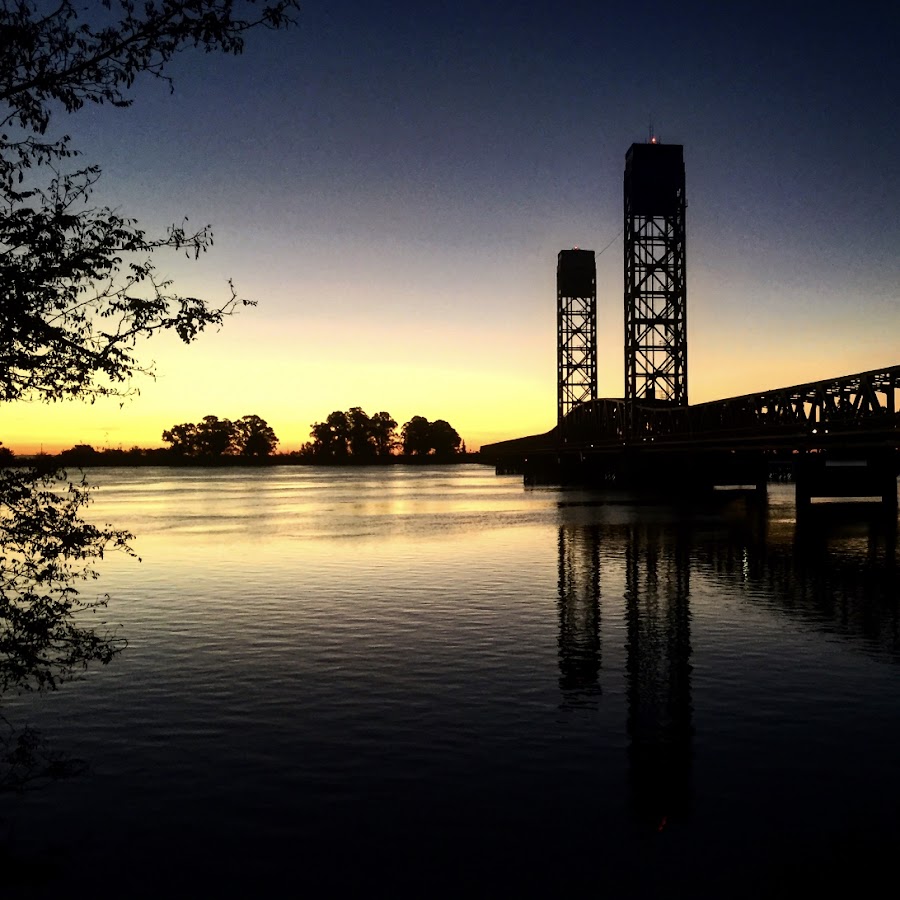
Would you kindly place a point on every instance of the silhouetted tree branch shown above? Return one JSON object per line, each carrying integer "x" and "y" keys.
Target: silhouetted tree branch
{"x": 78, "y": 291}
{"x": 58, "y": 57}
{"x": 45, "y": 549}
{"x": 78, "y": 287}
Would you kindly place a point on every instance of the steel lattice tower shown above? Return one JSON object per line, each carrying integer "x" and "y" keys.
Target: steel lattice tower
{"x": 655, "y": 279}
{"x": 576, "y": 330}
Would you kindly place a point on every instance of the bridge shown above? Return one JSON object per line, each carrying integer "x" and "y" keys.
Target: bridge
{"x": 837, "y": 437}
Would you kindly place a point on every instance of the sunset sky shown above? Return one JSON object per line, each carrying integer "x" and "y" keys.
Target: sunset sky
{"x": 392, "y": 182}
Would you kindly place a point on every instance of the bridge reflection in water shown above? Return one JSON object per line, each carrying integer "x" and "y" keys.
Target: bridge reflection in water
{"x": 580, "y": 653}
{"x": 836, "y": 574}
{"x": 657, "y": 611}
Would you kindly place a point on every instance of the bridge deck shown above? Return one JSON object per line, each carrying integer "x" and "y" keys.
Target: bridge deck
{"x": 811, "y": 427}
{"x": 862, "y": 409}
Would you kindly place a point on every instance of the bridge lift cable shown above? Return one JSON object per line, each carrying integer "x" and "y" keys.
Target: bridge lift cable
{"x": 600, "y": 252}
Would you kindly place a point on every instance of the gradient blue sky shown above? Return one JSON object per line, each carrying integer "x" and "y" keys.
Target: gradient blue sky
{"x": 393, "y": 182}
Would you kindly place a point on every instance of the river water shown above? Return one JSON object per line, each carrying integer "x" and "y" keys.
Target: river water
{"x": 432, "y": 680}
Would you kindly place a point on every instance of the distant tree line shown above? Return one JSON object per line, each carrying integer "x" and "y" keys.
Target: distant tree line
{"x": 212, "y": 438}
{"x": 350, "y": 437}
{"x": 354, "y": 436}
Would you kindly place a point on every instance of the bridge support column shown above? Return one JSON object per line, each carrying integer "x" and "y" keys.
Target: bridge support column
{"x": 867, "y": 476}
{"x": 889, "y": 498}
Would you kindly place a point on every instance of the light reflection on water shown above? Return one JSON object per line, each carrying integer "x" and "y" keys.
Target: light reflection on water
{"x": 383, "y": 675}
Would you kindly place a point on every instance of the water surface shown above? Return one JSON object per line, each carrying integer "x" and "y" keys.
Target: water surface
{"x": 428, "y": 680}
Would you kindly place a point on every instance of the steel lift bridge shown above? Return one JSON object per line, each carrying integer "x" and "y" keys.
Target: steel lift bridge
{"x": 833, "y": 438}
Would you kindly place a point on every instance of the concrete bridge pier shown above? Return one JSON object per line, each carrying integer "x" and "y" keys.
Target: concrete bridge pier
{"x": 856, "y": 476}
{"x": 694, "y": 473}
{"x": 685, "y": 473}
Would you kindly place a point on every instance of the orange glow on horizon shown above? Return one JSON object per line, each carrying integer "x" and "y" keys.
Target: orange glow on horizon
{"x": 492, "y": 377}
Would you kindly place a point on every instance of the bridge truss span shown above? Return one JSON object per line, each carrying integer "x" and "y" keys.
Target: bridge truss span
{"x": 853, "y": 407}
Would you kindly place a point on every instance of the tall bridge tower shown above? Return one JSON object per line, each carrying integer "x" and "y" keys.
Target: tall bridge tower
{"x": 576, "y": 330}
{"x": 655, "y": 280}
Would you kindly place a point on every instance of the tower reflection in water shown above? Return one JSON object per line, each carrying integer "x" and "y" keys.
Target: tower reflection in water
{"x": 657, "y": 670}
{"x": 579, "y": 615}
{"x": 737, "y": 578}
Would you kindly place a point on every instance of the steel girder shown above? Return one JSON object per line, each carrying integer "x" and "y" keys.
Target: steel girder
{"x": 576, "y": 331}
{"x": 656, "y": 306}
{"x": 576, "y": 352}
{"x": 864, "y": 401}
{"x": 855, "y": 405}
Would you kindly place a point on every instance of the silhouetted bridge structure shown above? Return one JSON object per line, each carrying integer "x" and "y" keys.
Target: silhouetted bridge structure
{"x": 833, "y": 438}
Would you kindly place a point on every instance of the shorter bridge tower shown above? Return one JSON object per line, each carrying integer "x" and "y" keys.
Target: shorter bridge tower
{"x": 576, "y": 331}
{"x": 655, "y": 281}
